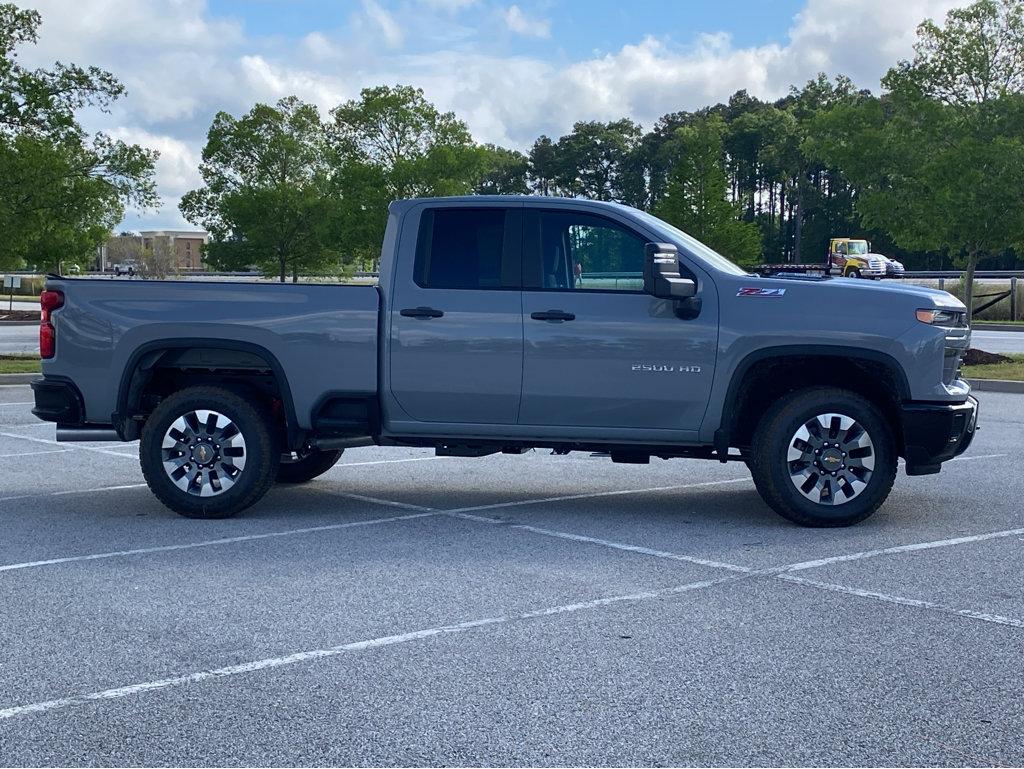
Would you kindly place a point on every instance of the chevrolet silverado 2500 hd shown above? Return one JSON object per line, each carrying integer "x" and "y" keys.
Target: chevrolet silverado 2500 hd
{"x": 505, "y": 323}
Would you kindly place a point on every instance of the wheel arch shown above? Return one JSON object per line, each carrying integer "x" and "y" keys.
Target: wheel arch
{"x": 821, "y": 365}
{"x": 210, "y": 353}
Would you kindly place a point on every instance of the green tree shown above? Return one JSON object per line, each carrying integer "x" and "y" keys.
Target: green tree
{"x": 696, "y": 200}
{"x": 938, "y": 161}
{"x": 502, "y": 172}
{"x": 392, "y": 143}
{"x": 61, "y": 189}
{"x": 592, "y": 160}
{"x": 269, "y": 193}
{"x": 543, "y": 166}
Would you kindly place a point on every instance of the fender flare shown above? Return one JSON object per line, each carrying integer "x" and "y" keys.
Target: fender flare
{"x": 150, "y": 353}
{"x": 730, "y": 412}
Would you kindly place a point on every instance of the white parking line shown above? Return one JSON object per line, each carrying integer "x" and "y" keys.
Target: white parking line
{"x": 903, "y": 549}
{"x": 983, "y": 616}
{"x": 34, "y": 453}
{"x": 348, "y": 648}
{"x": 783, "y": 572}
{"x": 73, "y": 491}
{"x": 386, "y": 462}
{"x": 18, "y": 403}
{"x": 47, "y": 441}
{"x": 209, "y": 542}
{"x": 594, "y": 495}
{"x": 609, "y": 544}
{"x": 977, "y": 456}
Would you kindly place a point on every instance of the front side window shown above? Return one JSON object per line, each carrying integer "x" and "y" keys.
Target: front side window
{"x": 463, "y": 248}
{"x": 585, "y": 252}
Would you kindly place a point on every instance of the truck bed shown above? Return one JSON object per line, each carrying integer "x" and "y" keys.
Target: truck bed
{"x": 321, "y": 338}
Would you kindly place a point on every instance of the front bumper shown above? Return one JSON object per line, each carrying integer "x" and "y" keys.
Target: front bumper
{"x": 935, "y": 433}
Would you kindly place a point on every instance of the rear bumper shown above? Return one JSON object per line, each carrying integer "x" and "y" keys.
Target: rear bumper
{"x": 58, "y": 400}
{"x": 935, "y": 433}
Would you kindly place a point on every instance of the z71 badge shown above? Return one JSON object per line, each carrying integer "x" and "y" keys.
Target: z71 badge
{"x": 767, "y": 292}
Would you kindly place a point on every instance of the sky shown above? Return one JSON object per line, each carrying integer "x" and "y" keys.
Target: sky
{"x": 513, "y": 70}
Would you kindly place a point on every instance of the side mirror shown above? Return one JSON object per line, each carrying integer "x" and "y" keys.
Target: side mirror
{"x": 661, "y": 273}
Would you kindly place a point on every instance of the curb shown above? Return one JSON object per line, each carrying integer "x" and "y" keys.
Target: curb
{"x": 998, "y": 326}
{"x": 996, "y": 385}
{"x": 16, "y": 379}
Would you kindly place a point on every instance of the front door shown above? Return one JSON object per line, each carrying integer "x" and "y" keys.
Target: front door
{"x": 456, "y": 352}
{"x": 599, "y": 352}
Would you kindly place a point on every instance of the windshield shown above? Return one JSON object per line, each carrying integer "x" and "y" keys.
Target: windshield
{"x": 691, "y": 244}
{"x": 857, "y": 247}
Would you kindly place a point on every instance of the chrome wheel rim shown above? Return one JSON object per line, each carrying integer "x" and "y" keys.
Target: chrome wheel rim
{"x": 203, "y": 453}
{"x": 830, "y": 459}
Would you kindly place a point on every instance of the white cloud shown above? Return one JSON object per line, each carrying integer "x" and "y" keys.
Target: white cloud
{"x": 521, "y": 24}
{"x": 385, "y": 23}
{"x": 181, "y": 66}
{"x": 449, "y": 6}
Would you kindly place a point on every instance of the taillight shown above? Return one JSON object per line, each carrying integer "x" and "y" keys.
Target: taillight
{"x": 48, "y": 301}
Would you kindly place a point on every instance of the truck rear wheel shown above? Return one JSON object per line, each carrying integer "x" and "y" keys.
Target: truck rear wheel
{"x": 823, "y": 457}
{"x": 305, "y": 466}
{"x": 206, "y": 452}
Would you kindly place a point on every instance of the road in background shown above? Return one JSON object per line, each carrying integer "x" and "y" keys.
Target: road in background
{"x": 998, "y": 341}
{"x": 19, "y": 339}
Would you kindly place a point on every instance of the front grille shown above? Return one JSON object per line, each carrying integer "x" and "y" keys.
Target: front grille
{"x": 951, "y": 364}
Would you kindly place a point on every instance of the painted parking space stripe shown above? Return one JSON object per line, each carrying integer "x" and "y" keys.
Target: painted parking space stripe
{"x": 34, "y": 453}
{"x": 108, "y": 452}
{"x": 913, "y": 602}
{"x": 918, "y": 546}
{"x": 784, "y": 572}
{"x": 348, "y": 648}
{"x": 210, "y": 542}
{"x": 597, "y": 494}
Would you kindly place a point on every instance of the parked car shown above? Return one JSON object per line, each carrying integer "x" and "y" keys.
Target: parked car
{"x": 480, "y": 338}
{"x": 128, "y": 267}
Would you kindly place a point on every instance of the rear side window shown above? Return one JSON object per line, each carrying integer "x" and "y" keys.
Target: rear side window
{"x": 466, "y": 248}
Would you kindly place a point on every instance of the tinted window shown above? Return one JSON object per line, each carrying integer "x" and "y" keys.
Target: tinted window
{"x": 460, "y": 248}
{"x": 579, "y": 251}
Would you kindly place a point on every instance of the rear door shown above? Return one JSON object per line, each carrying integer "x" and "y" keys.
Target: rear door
{"x": 456, "y": 346}
{"x": 600, "y": 353}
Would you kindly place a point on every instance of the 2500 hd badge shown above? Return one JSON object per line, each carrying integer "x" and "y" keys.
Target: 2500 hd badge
{"x": 666, "y": 367}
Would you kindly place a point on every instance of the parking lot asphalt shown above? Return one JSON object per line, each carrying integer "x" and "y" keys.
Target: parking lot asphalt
{"x": 535, "y": 609}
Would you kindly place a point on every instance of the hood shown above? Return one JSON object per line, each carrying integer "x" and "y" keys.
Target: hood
{"x": 927, "y": 297}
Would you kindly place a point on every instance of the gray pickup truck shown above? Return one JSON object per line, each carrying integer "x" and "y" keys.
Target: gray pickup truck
{"x": 502, "y": 324}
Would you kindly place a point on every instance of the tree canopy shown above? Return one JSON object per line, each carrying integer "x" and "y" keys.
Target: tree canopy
{"x": 61, "y": 189}
{"x": 268, "y": 194}
{"x": 938, "y": 160}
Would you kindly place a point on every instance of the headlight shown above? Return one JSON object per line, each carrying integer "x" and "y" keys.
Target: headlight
{"x": 954, "y": 318}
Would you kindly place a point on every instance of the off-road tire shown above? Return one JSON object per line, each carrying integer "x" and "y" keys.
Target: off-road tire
{"x": 770, "y": 467}
{"x": 262, "y": 453}
{"x": 308, "y": 466}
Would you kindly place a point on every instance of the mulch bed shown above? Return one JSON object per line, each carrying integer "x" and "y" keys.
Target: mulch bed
{"x": 980, "y": 357}
{"x": 18, "y": 315}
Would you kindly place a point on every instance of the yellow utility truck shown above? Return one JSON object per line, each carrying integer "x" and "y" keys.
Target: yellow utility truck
{"x": 853, "y": 258}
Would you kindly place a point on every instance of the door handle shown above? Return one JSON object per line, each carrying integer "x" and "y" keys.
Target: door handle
{"x": 421, "y": 312}
{"x": 552, "y": 315}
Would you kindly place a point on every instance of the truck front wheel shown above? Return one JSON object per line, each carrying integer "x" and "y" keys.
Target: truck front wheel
{"x": 305, "y": 466}
{"x": 206, "y": 452}
{"x": 823, "y": 457}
